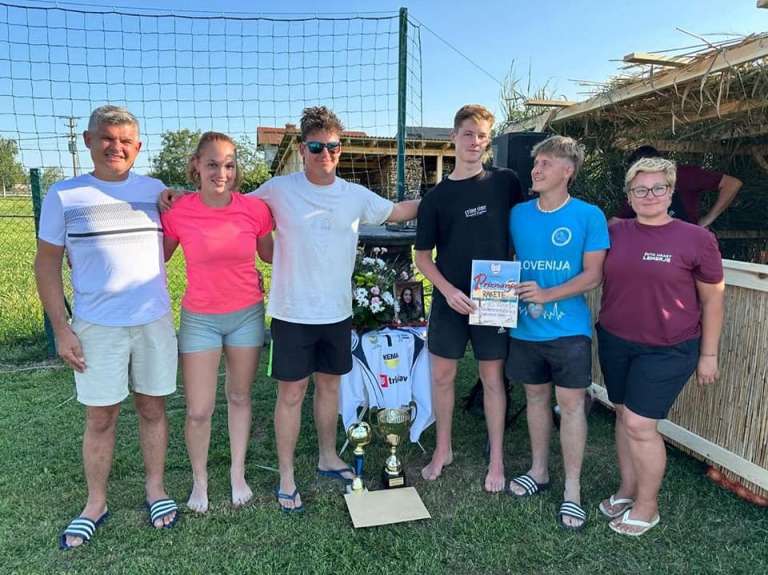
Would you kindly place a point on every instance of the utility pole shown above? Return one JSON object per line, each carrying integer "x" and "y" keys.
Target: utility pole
{"x": 71, "y": 122}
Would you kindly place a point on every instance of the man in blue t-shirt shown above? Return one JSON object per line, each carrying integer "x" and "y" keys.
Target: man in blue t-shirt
{"x": 561, "y": 243}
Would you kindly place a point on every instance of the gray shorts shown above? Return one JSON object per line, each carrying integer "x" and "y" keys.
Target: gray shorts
{"x": 141, "y": 357}
{"x": 206, "y": 331}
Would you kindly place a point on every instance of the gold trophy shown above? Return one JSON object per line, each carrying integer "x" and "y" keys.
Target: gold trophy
{"x": 359, "y": 435}
{"x": 393, "y": 424}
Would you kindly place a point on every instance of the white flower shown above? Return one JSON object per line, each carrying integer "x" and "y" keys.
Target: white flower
{"x": 361, "y": 302}
{"x": 388, "y": 298}
{"x": 376, "y": 250}
{"x": 381, "y": 263}
{"x": 361, "y": 293}
{"x": 375, "y": 290}
{"x": 383, "y": 250}
{"x": 376, "y": 307}
{"x": 404, "y": 275}
{"x": 367, "y": 261}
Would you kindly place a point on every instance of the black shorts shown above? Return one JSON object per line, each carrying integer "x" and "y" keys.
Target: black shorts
{"x": 565, "y": 361}
{"x": 449, "y": 332}
{"x": 300, "y": 349}
{"x": 645, "y": 378}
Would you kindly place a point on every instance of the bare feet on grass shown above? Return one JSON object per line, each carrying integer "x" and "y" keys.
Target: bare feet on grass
{"x": 494, "y": 480}
{"x": 434, "y": 469}
{"x": 241, "y": 492}
{"x": 198, "y": 499}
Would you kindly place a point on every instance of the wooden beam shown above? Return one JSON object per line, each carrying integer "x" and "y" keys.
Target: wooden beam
{"x": 655, "y": 59}
{"x": 715, "y": 61}
{"x": 699, "y": 445}
{"x": 742, "y": 235}
{"x": 439, "y": 169}
{"x": 549, "y": 103}
{"x": 410, "y": 151}
{"x": 695, "y": 147}
{"x": 746, "y": 274}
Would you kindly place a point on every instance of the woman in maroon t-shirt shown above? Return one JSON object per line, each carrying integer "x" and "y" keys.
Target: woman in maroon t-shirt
{"x": 660, "y": 321}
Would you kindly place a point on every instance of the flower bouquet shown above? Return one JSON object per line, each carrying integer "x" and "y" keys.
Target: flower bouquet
{"x": 373, "y": 302}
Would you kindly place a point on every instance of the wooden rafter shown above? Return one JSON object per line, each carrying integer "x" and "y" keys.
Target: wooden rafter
{"x": 549, "y": 103}
{"x": 655, "y": 59}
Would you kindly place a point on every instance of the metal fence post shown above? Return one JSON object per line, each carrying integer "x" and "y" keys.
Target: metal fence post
{"x": 37, "y": 200}
{"x": 402, "y": 73}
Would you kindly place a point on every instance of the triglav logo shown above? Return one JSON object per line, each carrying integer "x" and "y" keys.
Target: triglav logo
{"x": 561, "y": 237}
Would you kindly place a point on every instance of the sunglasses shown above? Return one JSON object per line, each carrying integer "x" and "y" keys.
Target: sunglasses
{"x": 317, "y": 147}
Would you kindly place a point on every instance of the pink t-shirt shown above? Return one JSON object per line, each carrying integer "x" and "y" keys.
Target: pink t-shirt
{"x": 220, "y": 249}
{"x": 650, "y": 273}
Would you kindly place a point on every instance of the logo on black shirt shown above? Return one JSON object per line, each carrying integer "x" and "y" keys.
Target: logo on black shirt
{"x": 474, "y": 212}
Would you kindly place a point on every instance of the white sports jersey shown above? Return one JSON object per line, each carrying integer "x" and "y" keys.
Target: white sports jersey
{"x": 390, "y": 368}
{"x": 112, "y": 233}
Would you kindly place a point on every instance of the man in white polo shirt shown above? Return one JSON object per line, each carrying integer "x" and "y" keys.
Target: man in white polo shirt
{"x": 108, "y": 223}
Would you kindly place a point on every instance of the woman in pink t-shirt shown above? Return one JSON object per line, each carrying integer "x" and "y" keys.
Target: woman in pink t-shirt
{"x": 660, "y": 321}
{"x": 220, "y": 231}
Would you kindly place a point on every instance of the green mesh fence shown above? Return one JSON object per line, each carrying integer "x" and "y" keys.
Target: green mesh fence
{"x": 248, "y": 76}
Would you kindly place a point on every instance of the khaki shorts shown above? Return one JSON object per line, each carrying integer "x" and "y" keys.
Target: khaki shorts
{"x": 144, "y": 354}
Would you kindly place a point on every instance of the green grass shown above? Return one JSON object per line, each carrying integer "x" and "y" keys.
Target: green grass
{"x": 22, "y": 338}
{"x": 703, "y": 530}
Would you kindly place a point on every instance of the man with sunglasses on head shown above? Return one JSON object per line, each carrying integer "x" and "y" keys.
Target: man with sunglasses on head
{"x": 317, "y": 215}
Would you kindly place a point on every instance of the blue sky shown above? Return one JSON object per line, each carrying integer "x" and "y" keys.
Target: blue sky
{"x": 556, "y": 41}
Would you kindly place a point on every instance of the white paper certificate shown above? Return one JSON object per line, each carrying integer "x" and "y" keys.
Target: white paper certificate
{"x": 493, "y": 292}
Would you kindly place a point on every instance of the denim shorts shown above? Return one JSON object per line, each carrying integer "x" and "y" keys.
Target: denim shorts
{"x": 205, "y": 331}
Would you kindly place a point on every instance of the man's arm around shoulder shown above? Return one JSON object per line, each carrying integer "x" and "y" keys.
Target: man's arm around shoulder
{"x": 404, "y": 211}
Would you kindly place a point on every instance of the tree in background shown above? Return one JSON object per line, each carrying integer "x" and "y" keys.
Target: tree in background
{"x": 170, "y": 165}
{"x": 252, "y": 164}
{"x": 51, "y": 175}
{"x": 12, "y": 171}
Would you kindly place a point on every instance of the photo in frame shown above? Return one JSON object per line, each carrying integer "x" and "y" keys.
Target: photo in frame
{"x": 410, "y": 301}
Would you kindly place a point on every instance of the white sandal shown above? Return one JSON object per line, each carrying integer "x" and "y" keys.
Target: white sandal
{"x": 643, "y": 526}
{"x": 624, "y": 502}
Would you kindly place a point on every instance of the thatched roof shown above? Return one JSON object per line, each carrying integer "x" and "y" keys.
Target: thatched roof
{"x": 709, "y": 100}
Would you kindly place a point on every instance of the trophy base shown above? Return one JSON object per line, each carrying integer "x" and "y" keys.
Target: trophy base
{"x": 392, "y": 481}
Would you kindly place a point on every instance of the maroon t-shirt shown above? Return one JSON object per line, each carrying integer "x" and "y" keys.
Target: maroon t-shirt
{"x": 692, "y": 181}
{"x": 650, "y": 273}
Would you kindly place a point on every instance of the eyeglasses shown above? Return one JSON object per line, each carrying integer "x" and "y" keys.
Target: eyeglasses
{"x": 317, "y": 147}
{"x": 642, "y": 192}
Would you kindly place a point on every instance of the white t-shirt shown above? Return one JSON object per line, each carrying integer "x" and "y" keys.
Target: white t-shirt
{"x": 315, "y": 243}
{"x": 112, "y": 233}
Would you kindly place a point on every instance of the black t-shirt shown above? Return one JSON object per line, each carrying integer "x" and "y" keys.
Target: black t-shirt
{"x": 466, "y": 220}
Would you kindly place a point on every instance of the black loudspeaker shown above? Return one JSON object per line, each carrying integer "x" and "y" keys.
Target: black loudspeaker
{"x": 513, "y": 151}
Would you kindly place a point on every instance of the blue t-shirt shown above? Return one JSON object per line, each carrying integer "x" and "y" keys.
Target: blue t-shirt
{"x": 550, "y": 248}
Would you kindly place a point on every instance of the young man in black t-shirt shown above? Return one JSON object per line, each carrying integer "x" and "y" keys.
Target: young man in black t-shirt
{"x": 466, "y": 217}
